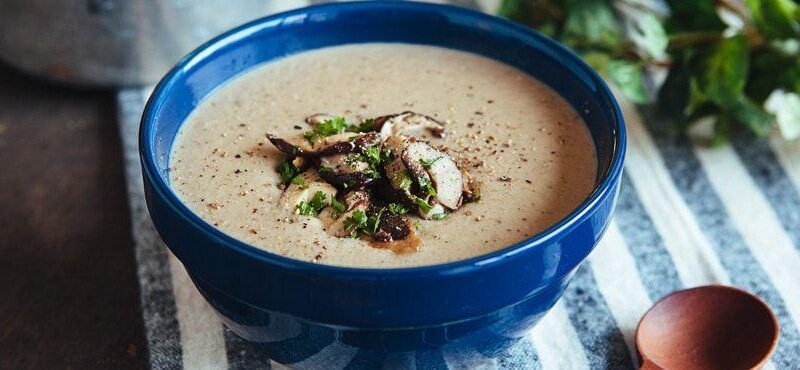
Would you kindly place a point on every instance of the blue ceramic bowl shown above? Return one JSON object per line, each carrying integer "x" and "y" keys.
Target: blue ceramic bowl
{"x": 296, "y": 309}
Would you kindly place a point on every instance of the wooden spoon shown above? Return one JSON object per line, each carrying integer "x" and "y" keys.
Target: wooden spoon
{"x": 708, "y": 327}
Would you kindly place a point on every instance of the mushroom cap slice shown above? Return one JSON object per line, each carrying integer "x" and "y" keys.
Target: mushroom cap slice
{"x": 436, "y": 209}
{"x": 353, "y": 198}
{"x": 305, "y": 191}
{"x": 448, "y": 182}
{"x": 316, "y": 119}
{"x": 400, "y": 178}
{"x": 346, "y": 142}
{"x": 345, "y": 170}
{"x": 354, "y": 201}
{"x": 408, "y": 123}
{"x": 335, "y": 157}
{"x": 393, "y": 227}
{"x": 425, "y": 165}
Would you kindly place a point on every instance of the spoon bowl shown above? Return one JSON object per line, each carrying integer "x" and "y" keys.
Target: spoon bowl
{"x": 709, "y": 327}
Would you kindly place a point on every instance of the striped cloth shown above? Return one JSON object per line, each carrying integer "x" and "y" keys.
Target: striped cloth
{"x": 687, "y": 215}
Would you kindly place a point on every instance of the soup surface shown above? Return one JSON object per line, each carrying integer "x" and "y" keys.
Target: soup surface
{"x": 527, "y": 148}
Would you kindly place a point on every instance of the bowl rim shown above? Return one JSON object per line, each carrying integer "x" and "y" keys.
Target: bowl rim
{"x": 606, "y": 185}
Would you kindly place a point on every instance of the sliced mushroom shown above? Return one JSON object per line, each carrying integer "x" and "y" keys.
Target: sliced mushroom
{"x": 345, "y": 170}
{"x": 437, "y": 179}
{"x": 291, "y": 148}
{"x": 399, "y": 176}
{"x": 435, "y": 210}
{"x": 408, "y": 123}
{"x": 304, "y": 191}
{"x": 354, "y": 201}
{"x": 411, "y": 159}
{"x": 318, "y": 118}
{"x": 393, "y": 228}
{"x": 346, "y": 142}
{"x": 337, "y": 157}
{"x": 354, "y": 198}
{"x": 443, "y": 171}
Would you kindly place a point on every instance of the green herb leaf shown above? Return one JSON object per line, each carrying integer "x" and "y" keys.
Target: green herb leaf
{"x": 305, "y": 209}
{"x": 439, "y": 216}
{"x": 714, "y": 70}
{"x": 694, "y": 16}
{"x": 299, "y": 181}
{"x": 371, "y": 156}
{"x": 366, "y": 125}
{"x": 428, "y": 163}
{"x": 597, "y": 60}
{"x": 374, "y": 221}
{"x": 311, "y": 136}
{"x": 775, "y": 18}
{"x": 721, "y": 75}
{"x": 627, "y": 77}
{"x": 651, "y": 36}
{"x": 744, "y": 111}
{"x": 314, "y": 206}
{"x": 423, "y": 205}
{"x": 518, "y": 10}
{"x": 592, "y": 23}
{"x": 337, "y": 205}
{"x": 318, "y": 201}
{"x": 775, "y": 68}
{"x": 333, "y": 126}
{"x": 355, "y": 223}
{"x": 723, "y": 127}
{"x": 405, "y": 181}
{"x": 287, "y": 171}
{"x": 426, "y": 185}
{"x": 397, "y": 209}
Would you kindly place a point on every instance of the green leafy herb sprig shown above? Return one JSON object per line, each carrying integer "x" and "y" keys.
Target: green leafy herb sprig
{"x": 336, "y": 125}
{"x": 736, "y": 61}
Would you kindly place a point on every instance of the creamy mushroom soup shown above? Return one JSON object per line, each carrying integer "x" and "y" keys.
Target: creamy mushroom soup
{"x": 383, "y": 155}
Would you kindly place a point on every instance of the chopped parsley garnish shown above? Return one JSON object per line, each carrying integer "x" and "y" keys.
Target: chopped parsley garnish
{"x": 366, "y": 125}
{"x": 428, "y": 163}
{"x": 333, "y": 126}
{"x": 355, "y": 223}
{"x": 397, "y": 208}
{"x": 337, "y": 205}
{"x": 325, "y": 170}
{"x": 312, "y": 207}
{"x": 374, "y": 221}
{"x": 405, "y": 182}
{"x": 360, "y": 223}
{"x": 373, "y": 157}
{"x": 288, "y": 171}
{"x": 439, "y": 216}
{"x": 423, "y": 205}
{"x": 427, "y": 185}
{"x": 300, "y": 181}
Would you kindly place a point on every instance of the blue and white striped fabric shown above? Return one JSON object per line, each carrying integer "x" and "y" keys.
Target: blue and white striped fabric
{"x": 687, "y": 215}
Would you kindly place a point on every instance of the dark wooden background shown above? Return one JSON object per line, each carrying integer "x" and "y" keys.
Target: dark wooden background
{"x": 68, "y": 289}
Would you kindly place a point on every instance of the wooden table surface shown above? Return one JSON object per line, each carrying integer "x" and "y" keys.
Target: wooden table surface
{"x": 68, "y": 290}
